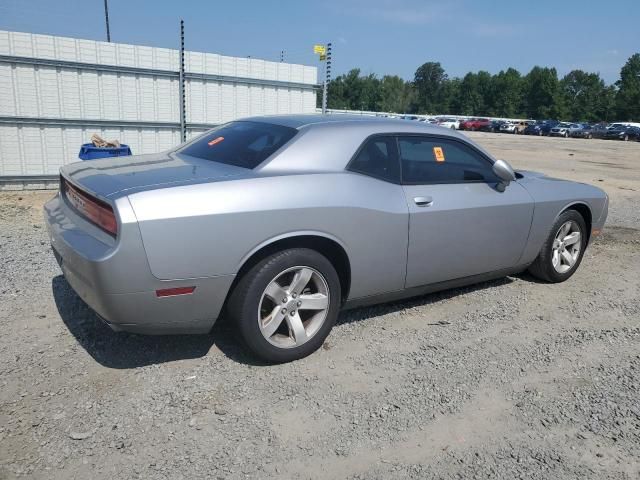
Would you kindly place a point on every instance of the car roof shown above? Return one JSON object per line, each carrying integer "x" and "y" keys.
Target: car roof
{"x": 311, "y": 152}
{"x": 375, "y": 124}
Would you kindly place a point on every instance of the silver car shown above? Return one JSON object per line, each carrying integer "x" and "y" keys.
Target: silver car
{"x": 564, "y": 130}
{"x": 279, "y": 222}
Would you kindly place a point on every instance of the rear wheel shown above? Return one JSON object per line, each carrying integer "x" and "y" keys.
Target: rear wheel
{"x": 562, "y": 252}
{"x": 285, "y": 306}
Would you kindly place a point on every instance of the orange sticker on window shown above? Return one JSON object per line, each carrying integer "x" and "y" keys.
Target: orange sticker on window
{"x": 214, "y": 141}
{"x": 438, "y": 153}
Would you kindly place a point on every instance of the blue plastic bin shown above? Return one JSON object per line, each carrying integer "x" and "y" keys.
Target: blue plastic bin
{"x": 89, "y": 151}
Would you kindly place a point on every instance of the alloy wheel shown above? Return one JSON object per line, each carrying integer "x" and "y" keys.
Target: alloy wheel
{"x": 566, "y": 247}
{"x": 293, "y": 307}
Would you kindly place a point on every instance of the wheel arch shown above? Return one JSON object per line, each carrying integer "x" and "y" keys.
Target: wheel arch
{"x": 585, "y": 211}
{"x": 325, "y": 244}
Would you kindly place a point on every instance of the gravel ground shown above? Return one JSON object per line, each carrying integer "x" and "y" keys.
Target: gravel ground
{"x": 507, "y": 379}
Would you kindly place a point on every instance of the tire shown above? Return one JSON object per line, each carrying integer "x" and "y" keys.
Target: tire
{"x": 543, "y": 266}
{"x": 249, "y": 305}
{"x": 453, "y": 127}
{"x": 566, "y": 134}
{"x": 540, "y": 133}
{"x": 626, "y": 138}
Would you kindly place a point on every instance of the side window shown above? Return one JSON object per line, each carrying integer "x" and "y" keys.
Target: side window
{"x": 435, "y": 160}
{"x": 378, "y": 158}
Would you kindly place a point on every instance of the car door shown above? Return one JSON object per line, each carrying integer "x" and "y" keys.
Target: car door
{"x": 379, "y": 199}
{"x": 460, "y": 224}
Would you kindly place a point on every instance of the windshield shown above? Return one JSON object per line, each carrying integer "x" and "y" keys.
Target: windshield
{"x": 241, "y": 144}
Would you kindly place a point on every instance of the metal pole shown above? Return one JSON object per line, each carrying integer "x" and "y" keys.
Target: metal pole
{"x": 183, "y": 111}
{"x": 106, "y": 18}
{"x": 327, "y": 79}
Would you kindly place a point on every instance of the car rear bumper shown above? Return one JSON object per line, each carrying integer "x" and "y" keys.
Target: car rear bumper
{"x": 114, "y": 279}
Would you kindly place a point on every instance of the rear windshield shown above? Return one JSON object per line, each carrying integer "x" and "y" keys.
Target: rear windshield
{"x": 242, "y": 144}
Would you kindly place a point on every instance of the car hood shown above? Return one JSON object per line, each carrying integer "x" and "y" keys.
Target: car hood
{"x": 530, "y": 174}
{"x": 112, "y": 177}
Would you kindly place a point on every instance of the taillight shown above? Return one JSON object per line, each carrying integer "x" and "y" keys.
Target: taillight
{"x": 94, "y": 210}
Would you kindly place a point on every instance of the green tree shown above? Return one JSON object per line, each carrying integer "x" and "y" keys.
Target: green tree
{"x": 396, "y": 95}
{"x": 506, "y": 94}
{"x": 628, "y": 96}
{"x": 430, "y": 83}
{"x": 584, "y": 94}
{"x": 469, "y": 100}
{"x": 450, "y": 91}
{"x": 539, "y": 94}
{"x": 354, "y": 92}
{"x": 607, "y": 105}
{"x": 542, "y": 95}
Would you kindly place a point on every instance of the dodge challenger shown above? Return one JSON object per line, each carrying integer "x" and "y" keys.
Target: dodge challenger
{"x": 280, "y": 222}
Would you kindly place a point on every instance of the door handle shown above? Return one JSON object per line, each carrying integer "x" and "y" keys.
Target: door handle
{"x": 423, "y": 201}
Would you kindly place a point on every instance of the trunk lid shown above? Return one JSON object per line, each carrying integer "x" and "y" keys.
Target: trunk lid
{"x": 118, "y": 176}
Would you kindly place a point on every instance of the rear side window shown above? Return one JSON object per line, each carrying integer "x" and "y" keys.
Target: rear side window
{"x": 241, "y": 144}
{"x": 378, "y": 158}
{"x": 437, "y": 160}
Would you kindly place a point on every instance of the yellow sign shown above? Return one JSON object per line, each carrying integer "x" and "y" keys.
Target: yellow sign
{"x": 438, "y": 153}
{"x": 319, "y": 49}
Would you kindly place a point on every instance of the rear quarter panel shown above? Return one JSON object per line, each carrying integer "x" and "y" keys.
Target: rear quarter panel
{"x": 211, "y": 229}
{"x": 552, "y": 196}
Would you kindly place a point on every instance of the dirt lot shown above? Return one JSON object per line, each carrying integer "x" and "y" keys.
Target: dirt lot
{"x": 507, "y": 379}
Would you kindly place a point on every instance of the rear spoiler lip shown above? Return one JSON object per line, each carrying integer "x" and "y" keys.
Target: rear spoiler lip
{"x": 79, "y": 186}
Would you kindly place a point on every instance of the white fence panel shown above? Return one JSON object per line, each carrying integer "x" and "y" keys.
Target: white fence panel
{"x": 55, "y": 92}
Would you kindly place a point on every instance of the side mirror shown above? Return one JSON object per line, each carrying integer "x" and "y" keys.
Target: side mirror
{"x": 505, "y": 173}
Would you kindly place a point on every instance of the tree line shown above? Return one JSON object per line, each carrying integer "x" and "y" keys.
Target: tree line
{"x": 540, "y": 94}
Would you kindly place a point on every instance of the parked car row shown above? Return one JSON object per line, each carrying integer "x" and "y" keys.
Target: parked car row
{"x": 496, "y": 126}
{"x": 614, "y": 131}
{"x": 551, "y": 128}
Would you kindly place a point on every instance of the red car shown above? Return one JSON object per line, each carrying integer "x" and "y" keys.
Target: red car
{"x": 474, "y": 124}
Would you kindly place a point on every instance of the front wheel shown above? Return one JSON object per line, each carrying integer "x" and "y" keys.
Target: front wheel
{"x": 285, "y": 305}
{"x": 563, "y": 249}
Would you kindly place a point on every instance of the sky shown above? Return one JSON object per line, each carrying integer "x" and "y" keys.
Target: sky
{"x": 385, "y": 37}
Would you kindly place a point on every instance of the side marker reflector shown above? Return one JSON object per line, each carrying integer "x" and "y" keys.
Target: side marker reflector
{"x": 172, "y": 292}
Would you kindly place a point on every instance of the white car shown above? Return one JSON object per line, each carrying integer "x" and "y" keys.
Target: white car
{"x": 449, "y": 123}
{"x": 508, "y": 127}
